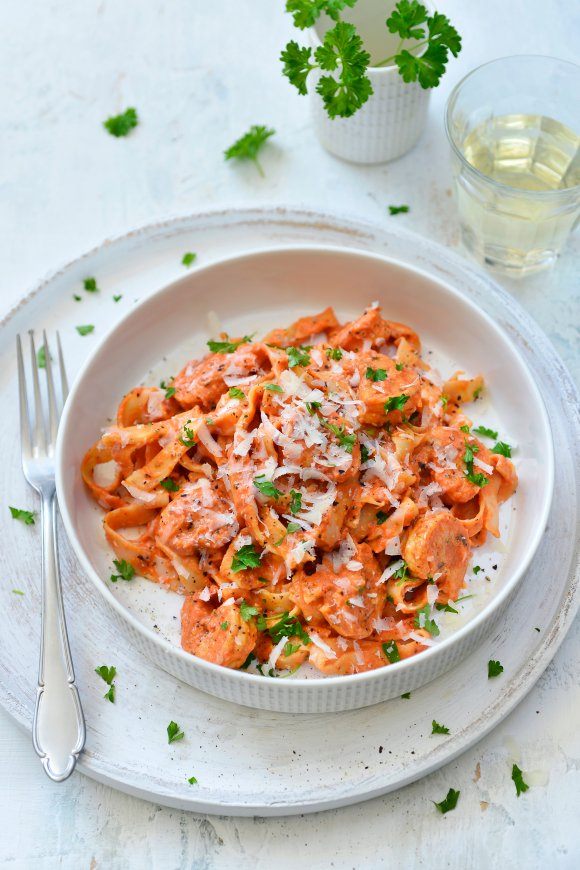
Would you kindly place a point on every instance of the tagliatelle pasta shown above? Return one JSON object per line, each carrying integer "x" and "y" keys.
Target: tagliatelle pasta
{"x": 315, "y": 496}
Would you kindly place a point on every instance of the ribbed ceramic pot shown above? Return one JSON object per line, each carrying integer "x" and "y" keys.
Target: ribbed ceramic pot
{"x": 393, "y": 118}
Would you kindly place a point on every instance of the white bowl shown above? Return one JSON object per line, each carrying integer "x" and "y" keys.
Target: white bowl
{"x": 255, "y": 292}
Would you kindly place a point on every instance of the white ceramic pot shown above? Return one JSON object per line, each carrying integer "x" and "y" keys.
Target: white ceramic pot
{"x": 393, "y": 118}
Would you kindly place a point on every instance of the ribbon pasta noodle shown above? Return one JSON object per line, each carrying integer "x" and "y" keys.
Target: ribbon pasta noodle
{"x": 315, "y": 496}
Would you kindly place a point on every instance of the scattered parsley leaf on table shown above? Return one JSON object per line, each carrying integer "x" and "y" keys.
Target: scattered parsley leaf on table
{"x": 406, "y": 696}
{"x": 398, "y": 209}
{"x": 449, "y": 802}
{"x": 108, "y": 675}
{"x": 125, "y": 570}
{"x": 76, "y": 297}
{"x": 192, "y": 780}
{"x": 518, "y": 779}
{"x": 494, "y": 669}
{"x": 18, "y": 592}
{"x": 436, "y": 728}
{"x": 174, "y": 732}
{"x": 85, "y": 330}
{"x": 90, "y": 285}
{"x": 41, "y": 358}
{"x": 117, "y": 297}
{"x": 27, "y": 517}
{"x": 248, "y": 146}
{"x": 121, "y": 125}
{"x": 188, "y": 259}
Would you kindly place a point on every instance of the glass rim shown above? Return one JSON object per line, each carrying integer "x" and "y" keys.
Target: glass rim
{"x": 531, "y": 194}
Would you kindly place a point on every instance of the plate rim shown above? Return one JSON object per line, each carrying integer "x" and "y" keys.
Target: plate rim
{"x": 296, "y": 685}
{"x": 296, "y": 218}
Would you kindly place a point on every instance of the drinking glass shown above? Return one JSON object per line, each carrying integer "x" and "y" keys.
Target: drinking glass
{"x": 513, "y": 125}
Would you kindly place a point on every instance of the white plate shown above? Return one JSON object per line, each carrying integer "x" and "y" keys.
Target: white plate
{"x": 251, "y": 294}
{"x": 245, "y": 759}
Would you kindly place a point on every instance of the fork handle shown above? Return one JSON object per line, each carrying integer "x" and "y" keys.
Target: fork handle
{"x": 58, "y": 731}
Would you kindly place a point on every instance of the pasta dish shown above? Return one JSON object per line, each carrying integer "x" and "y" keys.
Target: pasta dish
{"x": 314, "y": 496}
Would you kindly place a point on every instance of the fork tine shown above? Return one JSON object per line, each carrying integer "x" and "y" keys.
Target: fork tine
{"x": 23, "y": 402}
{"x": 53, "y": 414}
{"x": 63, "y": 377}
{"x": 39, "y": 436}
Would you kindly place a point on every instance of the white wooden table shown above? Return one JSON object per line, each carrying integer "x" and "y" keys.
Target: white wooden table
{"x": 199, "y": 74}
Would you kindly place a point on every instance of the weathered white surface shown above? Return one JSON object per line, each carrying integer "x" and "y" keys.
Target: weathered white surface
{"x": 65, "y": 185}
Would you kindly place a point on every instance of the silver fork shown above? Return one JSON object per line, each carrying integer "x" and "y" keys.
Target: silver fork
{"x": 58, "y": 731}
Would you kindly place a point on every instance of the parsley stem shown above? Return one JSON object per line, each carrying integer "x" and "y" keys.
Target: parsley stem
{"x": 258, "y": 166}
{"x": 411, "y": 50}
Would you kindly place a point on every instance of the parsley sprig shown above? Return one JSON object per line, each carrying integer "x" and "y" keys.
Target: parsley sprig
{"x": 174, "y": 732}
{"x": 518, "y": 779}
{"x": 244, "y": 558}
{"x": 27, "y": 517}
{"x": 286, "y": 626}
{"x": 248, "y": 146}
{"x": 108, "y": 675}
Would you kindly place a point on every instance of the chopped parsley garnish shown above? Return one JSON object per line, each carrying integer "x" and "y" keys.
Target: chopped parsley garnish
{"x": 334, "y": 353}
{"x": 251, "y": 658}
{"x": 477, "y": 479}
{"x": 487, "y": 433}
{"x": 169, "y": 391}
{"x": 249, "y": 145}
{"x": 247, "y": 611}
{"x": 449, "y": 802}
{"x": 27, "y": 517}
{"x": 376, "y": 374}
{"x": 192, "y": 780}
{"x": 391, "y": 651}
{"x": 108, "y": 675}
{"x": 364, "y": 453}
{"x": 117, "y": 297}
{"x": 381, "y": 517}
{"x": 90, "y": 285}
{"x": 398, "y": 209}
{"x": 169, "y": 484}
{"x": 473, "y": 477}
{"x": 236, "y": 393}
{"x": 502, "y": 448}
{"x": 125, "y": 570}
{"x": 244, "y": 558}
{"x": 445, "y": 607}
{"x": 518, "y": 779}
{"x": 465, "y": 429}
{"x": 225, "y": 625}
{"x": 287, "y": 626}
{"x": 399, "y": 366}
{"x": 291, "y": 648}
{"x": 345, "y": 439}
{"x": 41, "y": 358}
{"x": 477, "y": 569}
{"x": 396, "y": 403}
{"x": 20, "y": 592}
{"x": 274, "y": 388}
{"x": 266, "y": 487}
{"x": 494, "y": 669}
{"x": 295, "y": 501}
{"x": 428, "y": 624}
{"x": 121, "y": 125}
{"x": 188, "y": 259}
{"x": 187, "y": 437}
{"x": 292, "y": 527}
{"x": 313, "y": 407}
{"x": 436, "y": 728}
{"x": 401, "y": 573}
{"x": 477, "y": 393}
{"x": 77, "y": 298}
{"x": 444, "y": 401}
{"x": 174, "y": 732}
{"x": 85, "y": 330}
{"x": 298, "y": 356}
{"x": 227, "y": 346}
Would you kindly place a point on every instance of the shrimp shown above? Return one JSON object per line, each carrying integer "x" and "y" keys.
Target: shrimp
{"x": 437, "y": 544}
{"x": 202, "y": 383}
{"x": 199, "y": 516}
{"x": 220, "y": 636}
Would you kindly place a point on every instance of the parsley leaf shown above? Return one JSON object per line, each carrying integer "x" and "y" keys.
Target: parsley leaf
{"x": 449, "y": 802}
{"x": 125, "y": 570}
{"x": 297, "y": 60}
{"x": 427, "y": 623}
{"x": 274, "y": 388}
{"x": 85, "y": 330}
{"x": 441, "y": 37}
{"x": 401, "y": 573}
{"x": 20, "y": 592}
{"x": 381, "y": 517}
{"x": 307, "y": 12}
{"x": 293, "y": 527}
{"x": 436, "y": 728}
{"x": 108, "y": 675}
{"x": 248, "y": 146}
{"x": 247, "y": 611}
{"x": 398, "y": 209}
{"x": 313, "y": 407}
{"x": 174, "y": 732}
{"x": 244, "y": 558}
{"x": 187, "y": 437}
{"x": 502, "y": 448}
{"x": 41, "y": 357}
{"x": 227, "y": 346}
{"x": 266, "y": 487}
{"x": 364, "y": 453}
{"x": 334, "y": 353}
{"x": 342, "y": 52}
{"x": 90, "y": 285}
{"x": 169, "y": 484}
{"x": 169, "y": 391}
{"x": 518, "y": 779}
{"x": 406, "y": 695}
{"x": 483, "y": 430}
{"x": 391, "y": 651}
{"x": 188, "y": 259}
{"x": 346, "y": 441}
{"x": 376, "y": 374}
{"x": 399, "y": 366}
{"x": 117, "y": 297}
{"x": 465, "y": 429}
{"x": 494, "y": 669}
{"x": 225, "y": 625}
{"x": 121, "y": 125}
{"x": 477, "y": 569}
{"x": 76, "y": 297}
{"x": 192, "y": 780}
{"x": 236, "y": 393}
{"x": 396, "y": 403}
{"x": 27, "y": 517}
{"x": 473, "y": 477}
{"x": 287, "y": 626}
{"x": 405, "y": 19}
{"x": 295, "y": 501}
{"x": 298, "y": 356}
